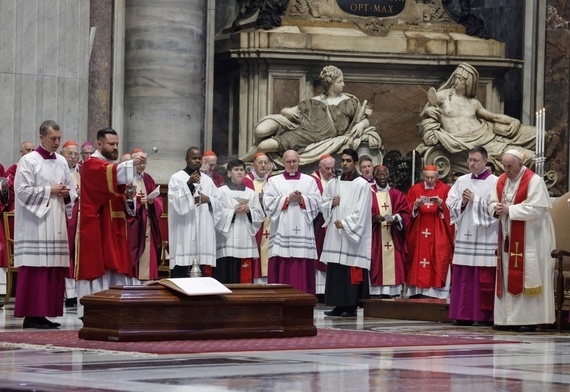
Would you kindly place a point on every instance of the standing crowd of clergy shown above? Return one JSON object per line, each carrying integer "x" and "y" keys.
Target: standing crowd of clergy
{"x": 82, "y": 226}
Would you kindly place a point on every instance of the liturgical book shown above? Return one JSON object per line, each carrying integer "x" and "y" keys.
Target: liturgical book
{"x": 194, "y": 286}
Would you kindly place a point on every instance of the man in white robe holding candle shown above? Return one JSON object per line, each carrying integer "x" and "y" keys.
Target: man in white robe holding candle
{"x": 525, "y": 271}
{"x": 194, "y": 209}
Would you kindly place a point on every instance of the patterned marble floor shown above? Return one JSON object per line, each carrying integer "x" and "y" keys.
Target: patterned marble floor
{"x": 540, "y": 362}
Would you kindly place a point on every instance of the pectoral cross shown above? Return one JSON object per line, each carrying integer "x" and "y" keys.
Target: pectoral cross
{"x": 468, "y": 235}
{"x": 296, "y": 230}
{"x": 266, "y": 234}
{"x": 516, "y": 254}
{"x": 388, "y": 246}
{"x": 426, "y": 233}
{"x": 385, "y": 206}
{"x": 424, "y": 262}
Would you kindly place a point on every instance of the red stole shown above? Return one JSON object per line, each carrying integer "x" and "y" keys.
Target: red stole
{"x": 515, "y": 241}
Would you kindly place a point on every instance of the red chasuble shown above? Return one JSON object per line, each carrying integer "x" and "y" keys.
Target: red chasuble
{"x": 145, "y": 260}
{"x": 103, "y": 244}
{"x": 430, "y": 239}
{"x": 399, "y": 205}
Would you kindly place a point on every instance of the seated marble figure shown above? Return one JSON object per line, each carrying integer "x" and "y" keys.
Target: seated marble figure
{"x": 324, "y": 124}
{"x": 457, "y": 121}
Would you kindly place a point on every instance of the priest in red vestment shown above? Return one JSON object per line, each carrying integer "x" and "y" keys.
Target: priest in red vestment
{"x": 390, "y": 218}
{"x": 144, "y": 233}
{"x": 430, "y": 238}
{"x": 209, "y": 162}
{"x": 104, "y": 256}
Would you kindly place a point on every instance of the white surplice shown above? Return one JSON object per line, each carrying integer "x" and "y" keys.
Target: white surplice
{"x": 476, "y": 228}
{"x": 235, "y": 233}
{"x": 185, "y": 240}
{"x": 539, "y": 265}
{"x": 40, "y": 223}
{"x": 292, "y": 231}
{"x": 352, "y": 245}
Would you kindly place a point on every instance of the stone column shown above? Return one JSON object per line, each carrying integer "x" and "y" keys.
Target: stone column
{"x": 164, "y": 80}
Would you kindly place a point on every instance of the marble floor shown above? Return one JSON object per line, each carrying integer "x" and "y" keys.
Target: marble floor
{"x": 537, "y": 362}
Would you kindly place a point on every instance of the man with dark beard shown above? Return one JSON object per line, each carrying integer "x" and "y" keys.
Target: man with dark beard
{"x": 104, "y": 255}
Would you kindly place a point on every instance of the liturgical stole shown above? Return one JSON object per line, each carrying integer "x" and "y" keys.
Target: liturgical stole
{"x": 388, "y": 251}
{"x": 514, "y": 243}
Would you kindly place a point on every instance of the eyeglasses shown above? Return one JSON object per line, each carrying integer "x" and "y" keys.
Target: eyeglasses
{"x": 472, "y": 160}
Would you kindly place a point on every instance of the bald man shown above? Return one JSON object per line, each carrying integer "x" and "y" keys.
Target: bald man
{"x": 322, "y": 175}
{"x": 25, "y": 148}
{"x": 292, "y": 202}
{"x": 524, "y": 294}
{"x": 256, "y": 180}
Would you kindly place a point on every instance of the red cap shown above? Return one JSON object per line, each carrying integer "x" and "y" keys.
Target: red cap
{"x": 259, "y": 154}
{"x": 137, "y": 150}
{"x": 430, "y": 168}
{"x": 209, "y": 153}
{"x": 69, "y": 143}
{"x": 326, "y": 156}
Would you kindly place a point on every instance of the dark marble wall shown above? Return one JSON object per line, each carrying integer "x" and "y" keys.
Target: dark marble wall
{"x": 557, "y": 90}
{"x": 100, "y": 67}
{"x": 504, "y": 20}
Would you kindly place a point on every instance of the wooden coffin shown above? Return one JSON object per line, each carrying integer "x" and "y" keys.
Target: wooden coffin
{"x": 153, "y": 313}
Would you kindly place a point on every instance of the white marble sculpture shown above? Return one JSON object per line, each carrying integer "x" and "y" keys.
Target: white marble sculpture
{"x": 324, "y": 124}
{"x": 454, "y": 121}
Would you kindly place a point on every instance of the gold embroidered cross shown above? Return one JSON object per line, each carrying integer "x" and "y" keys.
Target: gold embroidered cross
{"x": 516, "y": 254}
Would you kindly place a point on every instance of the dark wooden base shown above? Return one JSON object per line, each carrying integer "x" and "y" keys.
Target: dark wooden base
{"x": 408, "y": 309}
{"x": 154, "y": 313}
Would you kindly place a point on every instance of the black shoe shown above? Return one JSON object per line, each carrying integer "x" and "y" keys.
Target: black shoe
{"x": 483, "y": 324}
{"x": 525, "y": 328}
{"x": 35, "y": 323}
{"x": 462, "y": 322}
{"x": 51, "y": 324}
{"x": 70, "y": 302}
{"x": 348, "y": 314}
{"x": 336, "y": 312}
{"x": 503, "y": 327}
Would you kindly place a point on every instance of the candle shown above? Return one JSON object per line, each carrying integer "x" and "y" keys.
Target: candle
{"x": 542, "y": 142}
{"x": 413, "y": 167}
{"x": 536, "y": 137}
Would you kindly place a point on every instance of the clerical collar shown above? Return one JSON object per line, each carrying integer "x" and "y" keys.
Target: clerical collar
{"x": 189, "y": 171}
{"x": 45, "y": 154}
{"x": 428, "y": 187}
{"x": 289, "y": 176}
{"x": 349, "y": 177}
{"x": 481, "y": 176}
{"x": 380, "y": 189}
{"x": 236, "y": 187}
{"x": 258, "y": 178}
{"x": 370, "y": 180}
